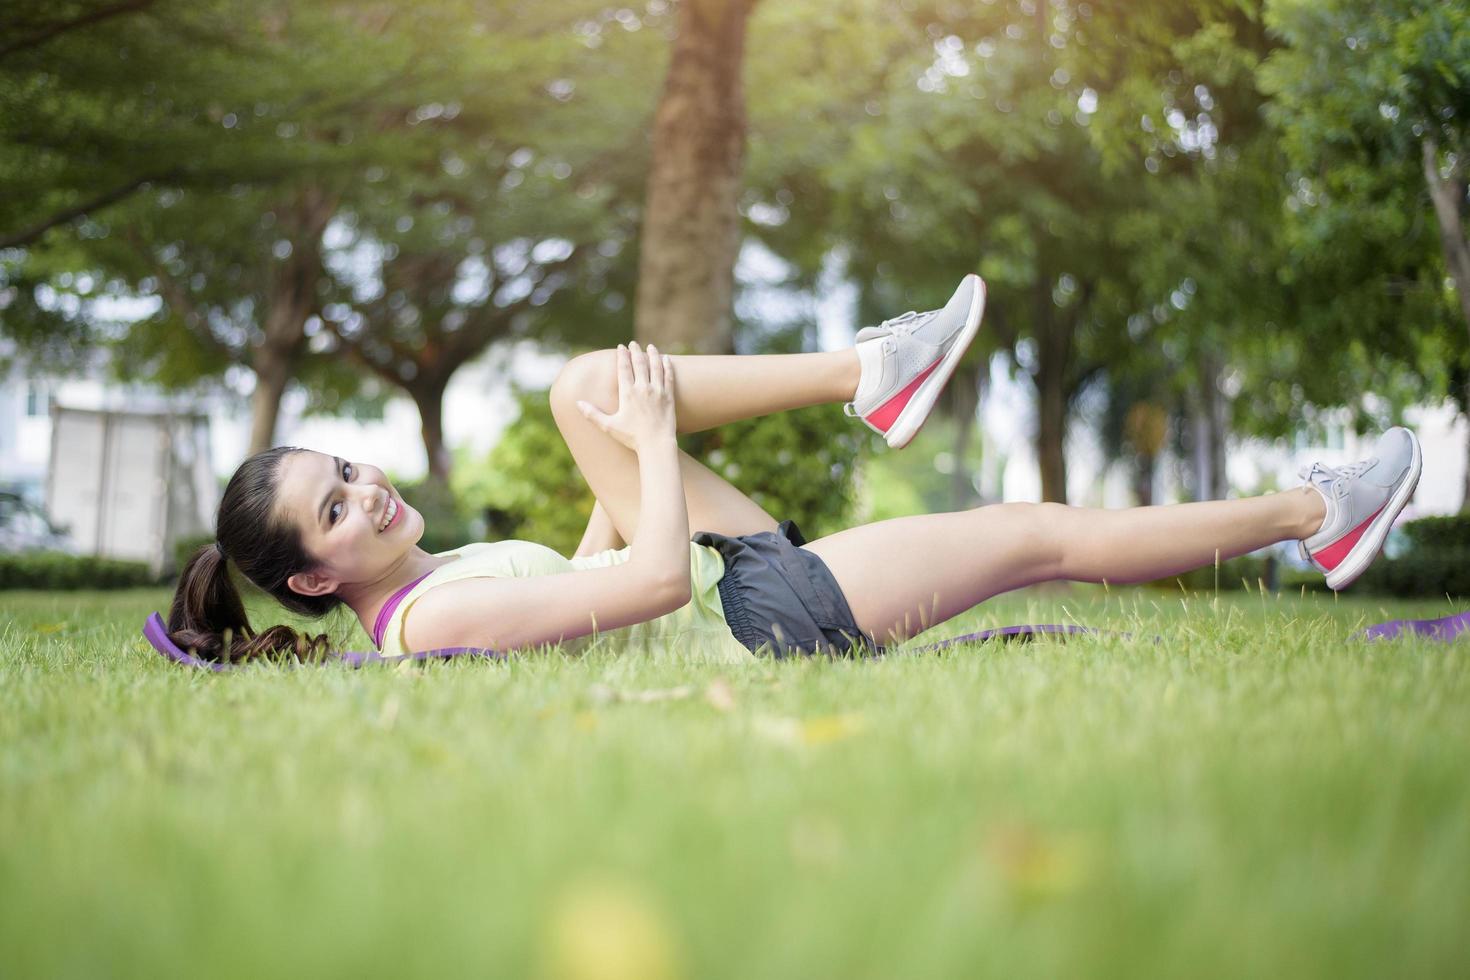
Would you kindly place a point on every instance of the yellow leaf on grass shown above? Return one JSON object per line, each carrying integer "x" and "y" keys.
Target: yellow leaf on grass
{"x": 605, "y": 928}
{"x": 1038, "y": 863}
{"x": 811, "y": 731}
{"x": 719, "y": 695}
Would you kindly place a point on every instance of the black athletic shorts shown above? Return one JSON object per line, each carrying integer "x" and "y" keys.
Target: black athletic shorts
{"x": 782, "y": 598}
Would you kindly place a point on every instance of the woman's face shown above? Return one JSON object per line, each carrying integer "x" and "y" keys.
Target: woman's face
{"x": 340, "y": 507}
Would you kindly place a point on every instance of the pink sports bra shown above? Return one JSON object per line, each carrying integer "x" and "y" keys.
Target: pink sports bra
{"x": 386, "y": 613}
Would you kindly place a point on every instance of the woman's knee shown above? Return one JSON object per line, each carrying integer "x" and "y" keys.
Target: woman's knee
{"x": 590, "y": 377}
{"x": 1044, "y": 530}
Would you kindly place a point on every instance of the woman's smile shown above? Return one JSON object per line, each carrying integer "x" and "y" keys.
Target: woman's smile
{"x": 393, "y": 512}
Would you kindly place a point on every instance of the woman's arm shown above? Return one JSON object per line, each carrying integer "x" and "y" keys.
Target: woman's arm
{"x": 505, "y": 613}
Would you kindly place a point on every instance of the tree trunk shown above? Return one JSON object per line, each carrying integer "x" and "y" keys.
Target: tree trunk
{"x": 290, "y": 299}
{"x": 1143, "y": 478}
{"x": 1210, "y": 423}
{"x": 964, "y": 395}
{"x": 272, "y": 371}
{"x": 1448, "y": 194}
{"x": 428, "y": 395}
{"x": 1054, "y": 348}
{"x": 691, "y": 225}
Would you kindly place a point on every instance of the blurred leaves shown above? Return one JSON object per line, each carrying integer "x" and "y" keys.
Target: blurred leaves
{"x": 1166, "y": 199}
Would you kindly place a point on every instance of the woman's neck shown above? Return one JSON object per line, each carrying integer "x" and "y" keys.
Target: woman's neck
{"x": 370, "y": 598}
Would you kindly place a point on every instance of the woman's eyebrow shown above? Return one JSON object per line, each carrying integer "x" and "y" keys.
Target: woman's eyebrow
{"x": 321, "y": 508}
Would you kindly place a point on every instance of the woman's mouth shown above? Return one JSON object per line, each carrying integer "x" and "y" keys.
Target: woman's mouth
{"x": 395, "y": 512}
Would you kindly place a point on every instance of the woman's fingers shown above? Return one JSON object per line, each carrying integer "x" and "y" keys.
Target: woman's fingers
{"x": 668, "y": 363}
{"x": 593, "y": 414}
{"x": 625, "y": 370}
{"x": 640, "y": 363}
{"x": 655, "y": 369}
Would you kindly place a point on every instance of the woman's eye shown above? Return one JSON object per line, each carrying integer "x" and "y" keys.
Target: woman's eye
{"x": 332, "y": 512}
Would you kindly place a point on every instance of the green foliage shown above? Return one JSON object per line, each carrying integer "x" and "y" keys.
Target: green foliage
{"x": 1447, "y": 533}
{"x": 184, "y": 548}
{"x": 58, "y": 570}
{"x": 798, "y": 465}
{"x": 530, "y": 478}
{"x": 1436, "y": 561}
{"x": 1245, "y": 572}
{"x": 446, "y": 523}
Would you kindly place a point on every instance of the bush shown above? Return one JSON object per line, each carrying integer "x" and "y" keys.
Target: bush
{"x": 58, "y": 570}
{"x": 1234, "y": 574}
{"x": 185, "y": 547}
{"x": 445, "y": 523}
{"x": 1435, "y": 561}
{"x": 530, "y": 479}
{"x": 797, "y": 465}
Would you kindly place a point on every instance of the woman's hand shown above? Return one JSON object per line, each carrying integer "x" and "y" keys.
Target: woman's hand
{"x": 645, "y": 414}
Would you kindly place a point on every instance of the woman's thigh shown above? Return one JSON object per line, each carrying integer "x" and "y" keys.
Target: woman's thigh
{"x": 611, "y": 469}
{"x": 902, "y": 576}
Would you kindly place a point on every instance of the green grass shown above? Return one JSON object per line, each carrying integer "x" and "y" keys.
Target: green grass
{"x": 1254, "y": 795}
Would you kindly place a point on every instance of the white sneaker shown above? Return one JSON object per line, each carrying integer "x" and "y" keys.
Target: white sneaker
{"x": 908, "y": 360}
{"x": 1363, "y": 500}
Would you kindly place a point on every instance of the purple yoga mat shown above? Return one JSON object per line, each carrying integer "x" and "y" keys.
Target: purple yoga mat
{"x": 1447, "y": 628}
{"x": 157, "y": 634}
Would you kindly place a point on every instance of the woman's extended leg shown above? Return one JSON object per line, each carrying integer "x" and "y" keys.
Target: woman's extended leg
{"x": 905, "y": 575}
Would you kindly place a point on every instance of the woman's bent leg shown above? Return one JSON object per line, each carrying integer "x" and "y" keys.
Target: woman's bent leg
{"x": 611, "y": 469}
{"x": 905, "y": 575}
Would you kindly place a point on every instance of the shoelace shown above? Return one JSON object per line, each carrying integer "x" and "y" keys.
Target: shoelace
{"x": 1337, "y": 475}
{"x": 907, "y": 323}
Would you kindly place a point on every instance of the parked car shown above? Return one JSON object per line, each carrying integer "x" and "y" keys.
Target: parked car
{"x": 25, "y": 527}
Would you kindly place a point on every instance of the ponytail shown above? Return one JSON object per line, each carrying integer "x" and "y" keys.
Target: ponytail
{"x": 207, "y": 618}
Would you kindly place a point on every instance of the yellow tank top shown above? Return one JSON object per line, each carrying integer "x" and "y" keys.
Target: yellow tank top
{"x": 697, "y": 627}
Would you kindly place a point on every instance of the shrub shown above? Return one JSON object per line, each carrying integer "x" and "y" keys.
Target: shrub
{"x": 185, "y": 547}
{"x": 1234, "y": 574}
{"x": 445, "y": 522}
{"x": 1433, "y": 561}
{"x": 799, "y": 465}
{"x": 529, "y": 477}
{"x": 58, "y": 570}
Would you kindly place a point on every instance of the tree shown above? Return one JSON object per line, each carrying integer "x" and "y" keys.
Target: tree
{"x": 354, "y": 97}
{"x": 1371, "y": 101}
{"x": 691, "y": 225}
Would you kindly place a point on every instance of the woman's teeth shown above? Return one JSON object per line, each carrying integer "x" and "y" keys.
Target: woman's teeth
{"x": 392, "y": 512}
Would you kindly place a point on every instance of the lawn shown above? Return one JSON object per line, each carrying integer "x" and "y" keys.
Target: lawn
{"x": 1254, "y": 794}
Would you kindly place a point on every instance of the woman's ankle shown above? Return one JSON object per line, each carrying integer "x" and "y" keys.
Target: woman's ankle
{"x": 1312, "y": 511}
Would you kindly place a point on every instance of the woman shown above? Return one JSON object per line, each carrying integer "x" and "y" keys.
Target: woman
{"x": 315, "y": 531}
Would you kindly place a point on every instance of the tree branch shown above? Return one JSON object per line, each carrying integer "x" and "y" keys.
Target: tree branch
{"x": 23, "y": 238}
{"x": 105, "y": 13}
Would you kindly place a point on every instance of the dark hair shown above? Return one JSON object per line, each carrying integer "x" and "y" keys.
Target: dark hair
{"x": 207, "y": 616}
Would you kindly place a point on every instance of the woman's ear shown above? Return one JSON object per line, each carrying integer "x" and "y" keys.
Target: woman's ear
{"x": 311, "y": 583}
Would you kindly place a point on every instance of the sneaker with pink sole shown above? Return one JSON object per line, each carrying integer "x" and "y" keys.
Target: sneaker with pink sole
{"x": 908, "y": 360}
{"x": 1363, "y": 500}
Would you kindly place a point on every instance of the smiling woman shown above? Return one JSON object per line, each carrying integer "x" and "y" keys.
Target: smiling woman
{"x": 313, "y": 531}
